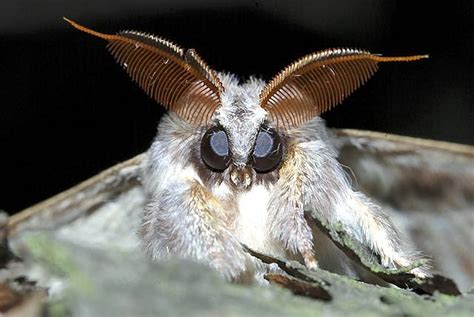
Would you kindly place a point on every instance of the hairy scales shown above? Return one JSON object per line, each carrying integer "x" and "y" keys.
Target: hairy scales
{"x": 197, "y": 213}
{"x": 238, "y": 163}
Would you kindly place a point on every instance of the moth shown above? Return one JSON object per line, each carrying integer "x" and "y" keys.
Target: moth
{"x": 238, "y": 164}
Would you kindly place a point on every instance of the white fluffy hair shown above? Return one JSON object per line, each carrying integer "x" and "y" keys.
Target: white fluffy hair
{"x": 196, "y": 213}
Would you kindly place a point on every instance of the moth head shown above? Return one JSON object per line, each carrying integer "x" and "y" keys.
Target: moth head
{"x": 265, "y": 155}
{"x": 240, "y": 143}
{"x": 243, "y": 126}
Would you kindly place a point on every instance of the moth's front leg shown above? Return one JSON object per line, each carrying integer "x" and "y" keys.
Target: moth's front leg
{"x": 287, "y": 223}
{"x": 312, "y": 179}
{"x": 183, "y": 220}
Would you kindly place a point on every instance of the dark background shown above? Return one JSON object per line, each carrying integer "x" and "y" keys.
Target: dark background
{"x": 68, "y": 111}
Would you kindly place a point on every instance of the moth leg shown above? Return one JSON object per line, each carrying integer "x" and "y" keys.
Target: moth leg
{"x": 333, "y": 197}
{"x": 289, "y": 226}
{"x": 309, "y": 258}
{"x": 312, "y": 177}
{"x": 287, "y": 221}
{"x": 183, "y": 220}
{"x": 372, "y": 227}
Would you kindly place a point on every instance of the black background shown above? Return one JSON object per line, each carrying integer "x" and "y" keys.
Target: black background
{"x": 68, "y": 111}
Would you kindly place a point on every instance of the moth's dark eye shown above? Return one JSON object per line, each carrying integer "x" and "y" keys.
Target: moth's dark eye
{"x": 268, "y": 150}
{"x": 215, "y": 151}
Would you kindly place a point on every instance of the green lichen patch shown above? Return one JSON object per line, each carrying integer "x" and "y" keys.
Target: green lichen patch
{"x": 129, "y": 284}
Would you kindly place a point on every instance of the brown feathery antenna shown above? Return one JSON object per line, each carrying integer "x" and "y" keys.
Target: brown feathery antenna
{"x": 317, "y": 82}
{"x": 179, "y": 80}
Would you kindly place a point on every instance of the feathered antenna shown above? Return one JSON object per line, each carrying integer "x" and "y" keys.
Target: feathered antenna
{"x": 179, "y": 80}
{"x": 317, "y": 82}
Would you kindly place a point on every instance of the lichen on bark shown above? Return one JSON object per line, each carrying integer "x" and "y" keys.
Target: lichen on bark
{"x": 123, "y": 283}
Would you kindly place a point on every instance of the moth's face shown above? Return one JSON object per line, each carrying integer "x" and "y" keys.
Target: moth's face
{"x": 265, "y": 155}
{"x": 240, "y": 145}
